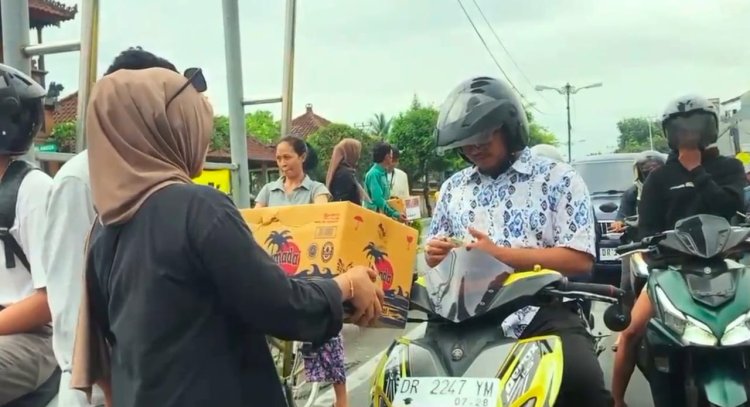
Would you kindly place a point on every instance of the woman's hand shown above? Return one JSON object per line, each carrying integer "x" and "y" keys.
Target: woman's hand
{"x": 360, "y": 286}
{"x": 482, "y": 242}
{"x": 436, "y": 250}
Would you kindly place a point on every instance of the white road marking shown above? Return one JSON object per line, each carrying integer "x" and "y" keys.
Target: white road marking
{"x": 363, "y": 373}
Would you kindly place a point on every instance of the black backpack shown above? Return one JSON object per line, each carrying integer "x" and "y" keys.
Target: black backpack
{"x": 11, "y": 182}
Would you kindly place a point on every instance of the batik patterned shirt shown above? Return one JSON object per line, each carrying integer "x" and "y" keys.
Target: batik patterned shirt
{"x": 537, "y": 203}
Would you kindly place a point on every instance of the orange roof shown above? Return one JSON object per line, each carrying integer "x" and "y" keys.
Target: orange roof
{"x": 48, "y": 12}
{"x": 308, "y": 123}
{"x": 66, "y": 109}
{"x": 256, "y": 151}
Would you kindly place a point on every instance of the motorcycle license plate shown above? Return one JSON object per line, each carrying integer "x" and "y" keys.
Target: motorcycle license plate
{"x": 446, "y": 392}
{"x": 607, "y": 254}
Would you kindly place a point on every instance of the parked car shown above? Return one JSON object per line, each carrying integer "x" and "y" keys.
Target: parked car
{"x": 607, "y": 176}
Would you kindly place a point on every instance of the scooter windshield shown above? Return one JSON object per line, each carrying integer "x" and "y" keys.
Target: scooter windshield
{"x": 464, "y": 283}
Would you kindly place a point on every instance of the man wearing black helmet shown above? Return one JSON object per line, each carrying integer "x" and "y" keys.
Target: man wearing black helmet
{"x": 26, "y": 357}
{"x": 70, "y": 213}
{"x": 695, "y": 180}
{"x": 524, "y": 209}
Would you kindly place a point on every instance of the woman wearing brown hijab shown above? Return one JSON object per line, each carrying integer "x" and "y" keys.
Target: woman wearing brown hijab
{"x": 185, "y": 294}
{"x": 341, "y": 178}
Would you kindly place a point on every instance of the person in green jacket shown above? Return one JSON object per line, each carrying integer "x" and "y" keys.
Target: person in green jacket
{"x": 376, "y": 181}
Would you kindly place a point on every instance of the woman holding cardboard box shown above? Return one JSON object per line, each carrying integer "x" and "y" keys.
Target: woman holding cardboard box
{"x": 180, "y": 297}
{"x": 294, "y": 187}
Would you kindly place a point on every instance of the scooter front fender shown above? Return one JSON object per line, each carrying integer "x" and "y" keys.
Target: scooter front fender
{"x": 723, "y": 382}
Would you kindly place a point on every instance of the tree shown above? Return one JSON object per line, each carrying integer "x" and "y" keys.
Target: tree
{"x": 539, "y": 134}
{"x": 326, "y": 138}
{"x": 412, "y": 132}
{"x": 64, "y": 134}
{"x": 380, "y": 125}
{"x": 220, "y": 136}
{"x": 634, "y": 138}
{"x": 263, "y": 126}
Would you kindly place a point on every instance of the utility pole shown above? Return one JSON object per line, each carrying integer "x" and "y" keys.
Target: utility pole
{"x": 568, "y": 90}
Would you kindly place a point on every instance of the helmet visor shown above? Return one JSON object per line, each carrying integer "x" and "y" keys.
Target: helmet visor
{"x": 479, "y": 140}
{"x": 691, "y": 130}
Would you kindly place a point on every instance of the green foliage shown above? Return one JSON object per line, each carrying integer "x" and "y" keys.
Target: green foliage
{"x": 327, "y": 137}
{"x": 220, "y": 136}
{"x": 412, "y": 132}
{"x": 634, "y": 138}
{"x": 539, "y": 134}
{"x": 380, "y": 125}
{"x": 263, "y": 126}
{"x": 64, "y": 134}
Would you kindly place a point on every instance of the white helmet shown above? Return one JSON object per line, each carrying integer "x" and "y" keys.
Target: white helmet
{"x": 549, "y": 151}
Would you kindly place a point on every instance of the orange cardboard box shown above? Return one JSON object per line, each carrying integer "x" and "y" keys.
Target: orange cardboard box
{"x": 327, "y": 239}
{"x": 411, "y": 207}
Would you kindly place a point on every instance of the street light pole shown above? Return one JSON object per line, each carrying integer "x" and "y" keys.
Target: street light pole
{"x": 568, "y": 90}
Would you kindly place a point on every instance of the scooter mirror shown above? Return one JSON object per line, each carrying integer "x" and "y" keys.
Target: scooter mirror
{"x": 616, "y": 317}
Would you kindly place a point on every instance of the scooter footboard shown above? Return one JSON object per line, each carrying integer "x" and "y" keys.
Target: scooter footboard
{"x": 722, "y": 381}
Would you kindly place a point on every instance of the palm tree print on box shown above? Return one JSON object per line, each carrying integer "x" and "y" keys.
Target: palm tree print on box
{"x": 284, "y": 251}
{"x": 380, "y": 262}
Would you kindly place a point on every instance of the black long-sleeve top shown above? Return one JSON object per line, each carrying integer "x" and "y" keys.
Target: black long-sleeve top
{"x": 672, "y": 192}
{"x": 190, "y": 297}
{"x": 344, "y": 186}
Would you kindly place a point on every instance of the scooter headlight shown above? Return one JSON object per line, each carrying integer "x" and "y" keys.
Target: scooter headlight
{"x": 690, "y": 329}
{"x": 738, "y": 331}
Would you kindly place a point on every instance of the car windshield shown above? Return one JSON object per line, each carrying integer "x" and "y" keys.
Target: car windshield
{"x": 604, "y": 176}
{"x": 464, "y": 283}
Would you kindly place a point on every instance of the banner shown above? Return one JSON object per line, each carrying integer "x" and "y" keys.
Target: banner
{"x": 219, "y": 179}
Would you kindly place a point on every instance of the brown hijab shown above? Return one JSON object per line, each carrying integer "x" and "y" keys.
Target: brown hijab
{"x": 347, "y": 151}
{"x": 136, "y": 147}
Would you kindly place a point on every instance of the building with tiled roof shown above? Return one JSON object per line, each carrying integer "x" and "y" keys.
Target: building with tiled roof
{"x": 43, "y": 13}
{"x": 308, "y": 123}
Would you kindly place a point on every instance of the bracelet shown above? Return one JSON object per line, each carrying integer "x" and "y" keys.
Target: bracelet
{"x": 351, "y": 288}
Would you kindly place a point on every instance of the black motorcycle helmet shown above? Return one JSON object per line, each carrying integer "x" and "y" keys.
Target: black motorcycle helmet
{"x": 21, "y": 110}
{"x": 646, "y": 162}
{"x": 476, "y": 108}
{"x": 690, "y": 114}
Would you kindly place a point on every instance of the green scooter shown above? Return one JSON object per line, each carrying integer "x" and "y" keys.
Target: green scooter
{"x": 696, "y": 351}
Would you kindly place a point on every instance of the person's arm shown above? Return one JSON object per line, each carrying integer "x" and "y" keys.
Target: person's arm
{"x": 261, "y": 201}
{"x": 573, "y": 241}
{"x": 69, "y": 216}
{"x": 320, "y": 194}
{"x": 377, "y": 196}
{"x": 252, "y": 287}
{"x": 33, "y": 311}
{"x": 651, "y": 208}
{"x": 723, "y": 195}
{"x": 628, "y": 204}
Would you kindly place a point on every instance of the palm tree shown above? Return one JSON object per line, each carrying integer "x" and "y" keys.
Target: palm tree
{"x": 277, "y": 239}
{"x": 380, "y": 125}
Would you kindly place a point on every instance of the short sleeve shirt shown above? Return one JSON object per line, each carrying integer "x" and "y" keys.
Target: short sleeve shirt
{"x": 537, "y": 203}
{"x": 273, "y": 193}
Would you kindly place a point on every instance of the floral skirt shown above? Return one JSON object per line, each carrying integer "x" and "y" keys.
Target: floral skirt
{"x": 326, "y": 363}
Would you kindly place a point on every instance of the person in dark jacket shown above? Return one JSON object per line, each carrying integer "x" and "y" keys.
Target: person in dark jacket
{"x": 341, "y": 178}
{"x": 644, "y": 165}
{"x": 695, "y": 180}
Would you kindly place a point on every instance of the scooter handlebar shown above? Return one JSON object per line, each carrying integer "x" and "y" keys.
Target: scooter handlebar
{"x": 604, "y": 290}
{"x": 629, "y": 247}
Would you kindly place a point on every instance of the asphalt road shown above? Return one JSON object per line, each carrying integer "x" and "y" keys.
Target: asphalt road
{"x": 364, "y": 347}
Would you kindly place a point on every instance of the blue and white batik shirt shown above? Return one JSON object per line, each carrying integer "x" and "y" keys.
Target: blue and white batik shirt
{"x": 537, "y": 203}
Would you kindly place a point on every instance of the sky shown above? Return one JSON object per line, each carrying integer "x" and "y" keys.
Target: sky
{"x": 358, "y": 58}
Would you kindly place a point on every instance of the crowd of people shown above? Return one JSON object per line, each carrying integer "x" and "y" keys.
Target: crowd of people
{"x": 139, "y": 288}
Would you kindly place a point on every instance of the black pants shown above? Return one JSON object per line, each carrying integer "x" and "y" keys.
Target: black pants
{"x": 583, "y": 381}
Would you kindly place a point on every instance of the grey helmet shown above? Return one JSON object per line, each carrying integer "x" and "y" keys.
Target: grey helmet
{"x": 694, "y": 114}
{"x": 549, "y": 151}
{"x": 21, "y": 110}
{"x": 646, "y": 162}
{"x": 477, "y": 107}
